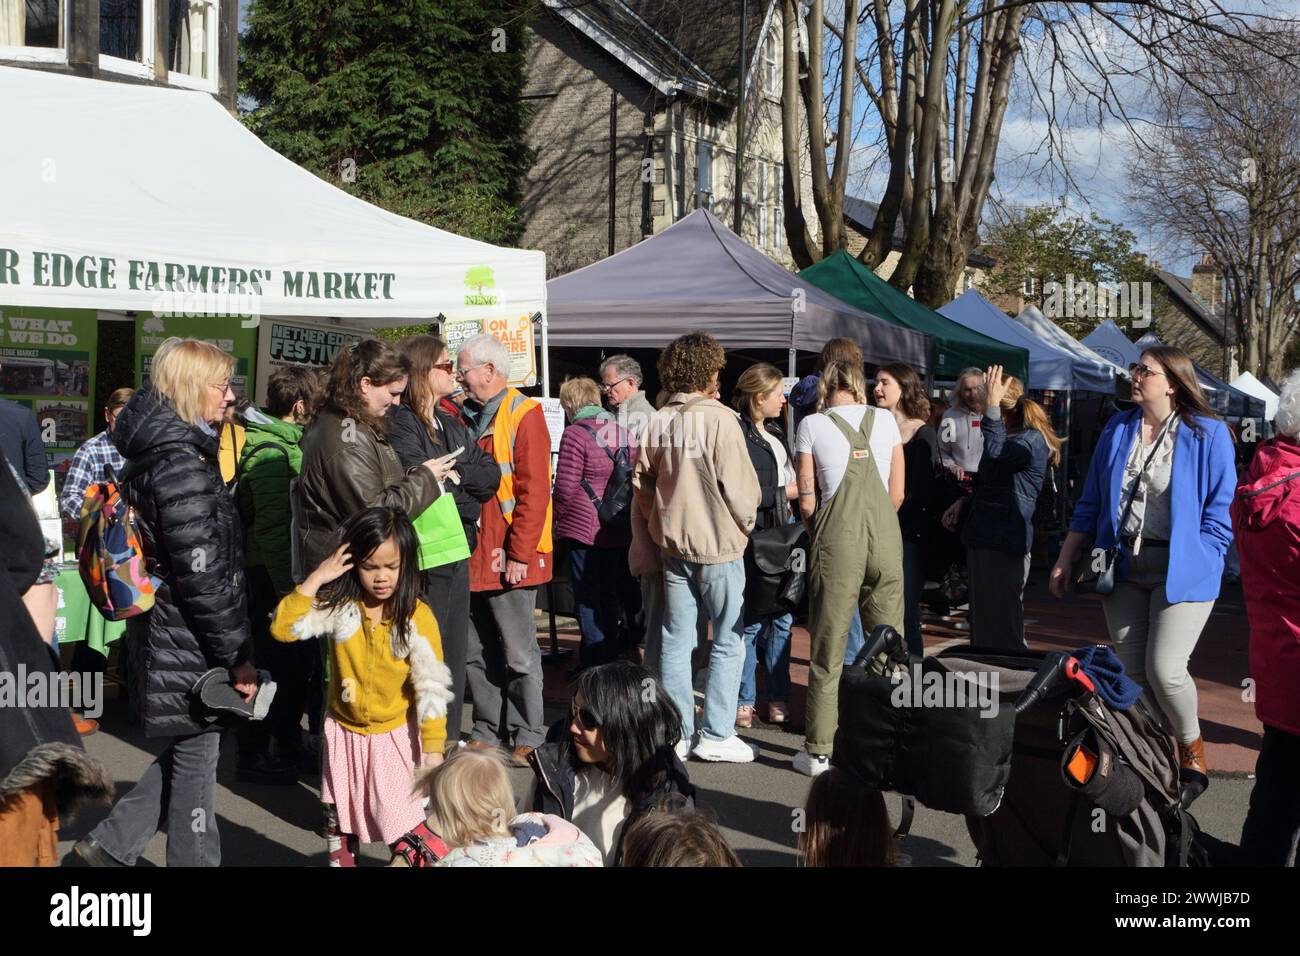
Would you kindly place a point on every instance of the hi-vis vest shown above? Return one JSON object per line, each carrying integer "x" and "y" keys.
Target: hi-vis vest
{"x": 504, "y": 428}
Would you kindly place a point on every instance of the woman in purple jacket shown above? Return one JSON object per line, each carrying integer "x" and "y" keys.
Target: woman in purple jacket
{"x": 603, "y": 588}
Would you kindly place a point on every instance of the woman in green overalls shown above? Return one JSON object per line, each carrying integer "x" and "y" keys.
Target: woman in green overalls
{"x": 850, "y": 473}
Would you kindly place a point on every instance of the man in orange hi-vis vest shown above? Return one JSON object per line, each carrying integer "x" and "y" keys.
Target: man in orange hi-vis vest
{"x": 512, "y": 557}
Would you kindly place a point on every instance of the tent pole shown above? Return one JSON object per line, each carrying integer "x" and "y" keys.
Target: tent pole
{"x": 789, "y": 409}
{"x": 546, "y": 356}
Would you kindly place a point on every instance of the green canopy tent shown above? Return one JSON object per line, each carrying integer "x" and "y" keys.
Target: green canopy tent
{"x": 954, "y": 346}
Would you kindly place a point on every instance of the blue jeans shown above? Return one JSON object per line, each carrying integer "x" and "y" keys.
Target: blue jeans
{"x": 856, "y": 640}
{"x": 774, "y": 634}
{"x": 719, "y": 589}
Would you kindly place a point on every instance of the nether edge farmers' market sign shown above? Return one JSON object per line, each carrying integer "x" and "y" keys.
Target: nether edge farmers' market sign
{"x": 47, "y": 364}
{"x": 377, "y": 289}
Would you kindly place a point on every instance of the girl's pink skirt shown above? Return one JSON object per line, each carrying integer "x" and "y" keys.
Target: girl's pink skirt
{"x": 368, "y": 779}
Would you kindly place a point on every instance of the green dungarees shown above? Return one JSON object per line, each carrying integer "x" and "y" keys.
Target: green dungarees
{"x": 856, "y": 563}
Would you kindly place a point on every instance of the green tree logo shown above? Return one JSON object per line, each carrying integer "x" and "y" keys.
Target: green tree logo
{"x": 480, "y": 278}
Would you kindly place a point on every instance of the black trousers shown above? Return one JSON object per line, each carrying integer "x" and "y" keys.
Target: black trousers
{"x": 446, "y": 591}
{"x": 1268, "y": 836}
{"x": 292, "y": 667}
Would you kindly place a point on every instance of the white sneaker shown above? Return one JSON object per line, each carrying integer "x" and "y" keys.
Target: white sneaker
{"x": 811, "y": 765}
{"x": 683, "y": 749}
{"x": 731, "y": 750}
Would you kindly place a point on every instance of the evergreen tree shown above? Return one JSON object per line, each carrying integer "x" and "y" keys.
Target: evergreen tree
{"x": 413, "y": 105}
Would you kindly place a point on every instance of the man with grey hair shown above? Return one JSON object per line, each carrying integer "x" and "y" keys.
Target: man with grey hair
{"x": 620, "y": 383}
{"x": 512, "y": 556}
{"x": 961, "y": 443}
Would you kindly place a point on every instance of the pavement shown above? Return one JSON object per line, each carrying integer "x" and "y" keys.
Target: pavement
{"x": 756, "y": 804}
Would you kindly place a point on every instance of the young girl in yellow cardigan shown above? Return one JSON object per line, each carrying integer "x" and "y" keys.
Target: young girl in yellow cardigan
{"x": 389, "y": 687}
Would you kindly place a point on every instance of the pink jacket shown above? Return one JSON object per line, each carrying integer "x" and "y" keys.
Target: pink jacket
{"x": 581, "y": 457}
{"x": 1266, "y": 520}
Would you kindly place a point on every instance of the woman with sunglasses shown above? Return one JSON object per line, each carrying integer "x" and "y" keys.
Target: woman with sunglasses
{"x": 612, "y": 760}
{"x": 1173, "y": 458}
{"x": 421, "y": 428}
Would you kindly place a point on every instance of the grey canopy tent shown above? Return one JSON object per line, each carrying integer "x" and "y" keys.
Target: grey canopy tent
{"x": 699, "y": 275}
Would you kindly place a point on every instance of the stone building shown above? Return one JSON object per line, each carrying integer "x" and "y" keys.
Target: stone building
{"x": 1190, "y": 313}
{"x": 634, "y": 123}
{"x": 182, "y": 43}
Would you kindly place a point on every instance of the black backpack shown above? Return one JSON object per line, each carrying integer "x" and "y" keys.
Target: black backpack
{"x": 614, "y": 508}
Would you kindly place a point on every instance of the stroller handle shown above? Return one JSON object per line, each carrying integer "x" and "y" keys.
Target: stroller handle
{"x": 1057, "y": 670}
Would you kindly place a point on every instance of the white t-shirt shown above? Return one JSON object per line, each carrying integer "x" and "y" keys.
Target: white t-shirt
{"x": 783, "y": 464}
{"x": 599, "y": 809}
{"x": 820, "y": 437}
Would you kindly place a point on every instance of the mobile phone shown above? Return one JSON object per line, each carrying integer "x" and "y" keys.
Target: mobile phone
{"x": 454, "y": 454}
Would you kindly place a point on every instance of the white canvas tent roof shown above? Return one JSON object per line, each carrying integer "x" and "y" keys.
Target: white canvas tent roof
{"x": 1245, "y": 382}
{"x": 1110, "y": 342}
{"x": 1050, "y": 367}
{"x": 1033, "y": 319}
{"x": 139, "y": 185}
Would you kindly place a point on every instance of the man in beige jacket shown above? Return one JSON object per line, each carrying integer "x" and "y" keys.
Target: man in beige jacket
{"x": 699, "y": 494}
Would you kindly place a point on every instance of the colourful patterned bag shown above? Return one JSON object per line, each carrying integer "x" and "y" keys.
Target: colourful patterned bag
{"x": 110, "y": 553}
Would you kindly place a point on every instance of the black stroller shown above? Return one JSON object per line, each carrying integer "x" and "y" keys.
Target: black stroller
{"x": 1044, "y": 770}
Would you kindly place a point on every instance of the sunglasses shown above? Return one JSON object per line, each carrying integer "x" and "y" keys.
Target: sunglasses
{"x": 585, "y": 718}
{"x": 1138, "y": 370}
{"x": 447, "y": 367}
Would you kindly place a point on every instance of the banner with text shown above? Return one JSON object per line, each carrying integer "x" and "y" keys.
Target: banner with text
{"x": 281, "y": 342}
{"x": 47, "y": 364}
{"x": 225, "y": 332}
{"x": 516, "y": 333}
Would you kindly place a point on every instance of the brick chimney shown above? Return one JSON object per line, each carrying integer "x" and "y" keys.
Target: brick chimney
{"x": 1207, "y": 283}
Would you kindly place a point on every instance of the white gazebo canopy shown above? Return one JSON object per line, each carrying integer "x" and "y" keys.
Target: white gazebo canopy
{"x": 122, "y": 197}
{"x": 1033, "y": 319}
{"x": 1245, "y": 382}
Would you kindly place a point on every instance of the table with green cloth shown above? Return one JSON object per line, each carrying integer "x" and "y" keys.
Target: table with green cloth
{"x": 79, "y": 620}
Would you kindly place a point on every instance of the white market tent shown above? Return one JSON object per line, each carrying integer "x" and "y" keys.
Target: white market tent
{"x": 1245, "y": 382}
{"x": 1110, "y": 342}
{"x": 1047, "y": 330}
{"x": 1050, "y": 366}
{"x": 112, "y": 192}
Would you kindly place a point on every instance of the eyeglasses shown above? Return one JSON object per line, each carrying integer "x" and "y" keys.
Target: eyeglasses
{"x": 585, "y": 718}
{"x": 1143, "y": 371}
{"x": 613, "y": 385}
{"x": 463, "y": 372}
{"x": 224, "y": 386}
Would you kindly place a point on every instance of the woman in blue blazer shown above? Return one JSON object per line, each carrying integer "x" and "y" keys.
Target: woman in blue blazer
{"x": 1172, "y": 543}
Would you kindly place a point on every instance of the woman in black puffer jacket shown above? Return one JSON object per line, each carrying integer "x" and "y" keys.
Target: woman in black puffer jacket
{"x": 167, "y": 432}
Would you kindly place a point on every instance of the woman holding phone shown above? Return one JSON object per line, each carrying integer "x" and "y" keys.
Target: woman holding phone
{"x": 420, "y": 429}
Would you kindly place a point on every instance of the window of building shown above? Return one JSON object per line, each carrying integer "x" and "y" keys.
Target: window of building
{"x": 32, "y": 30}
{"x": 126, "y": 36}
{"x": 771, "y": 66}
{"x": 1028, "y": 287}
{"x": 192, "y": 51}
{"x": 704, "y": 175}
{"x": 778, "y": 227}
{"x": 762, "y": 203}
{"x": 968, "y": 280}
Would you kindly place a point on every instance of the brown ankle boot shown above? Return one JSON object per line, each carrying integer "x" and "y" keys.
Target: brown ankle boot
{"x": 1193, "y": 775}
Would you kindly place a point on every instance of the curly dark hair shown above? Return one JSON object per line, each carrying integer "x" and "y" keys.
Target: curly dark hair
{"x": 690, "y": 361}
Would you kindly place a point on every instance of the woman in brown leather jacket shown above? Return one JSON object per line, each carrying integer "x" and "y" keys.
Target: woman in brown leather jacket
{"x": 347, "y": 462}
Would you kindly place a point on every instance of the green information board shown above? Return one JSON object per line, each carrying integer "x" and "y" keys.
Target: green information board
{"x": 47, "y": 363}
{"x": 225, "y": 332}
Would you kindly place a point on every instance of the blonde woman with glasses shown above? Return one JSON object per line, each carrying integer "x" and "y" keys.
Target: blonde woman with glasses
{"x": 168, "y": 434}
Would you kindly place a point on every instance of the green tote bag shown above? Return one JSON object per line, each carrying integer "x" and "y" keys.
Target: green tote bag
{"x": 442, "y": 536}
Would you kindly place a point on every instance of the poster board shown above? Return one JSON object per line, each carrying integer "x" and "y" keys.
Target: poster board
{"x": 47, "y": 364}
{"x": 282, "y": 342}
{"x": 229, "y": 333}
{"x": 516, "y": 333}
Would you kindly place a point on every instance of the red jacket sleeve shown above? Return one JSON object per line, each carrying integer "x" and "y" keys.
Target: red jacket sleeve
{"x": 532, "y": 486}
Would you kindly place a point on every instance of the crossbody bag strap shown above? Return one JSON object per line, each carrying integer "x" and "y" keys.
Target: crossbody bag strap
{"x": 1132, "y": 492}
